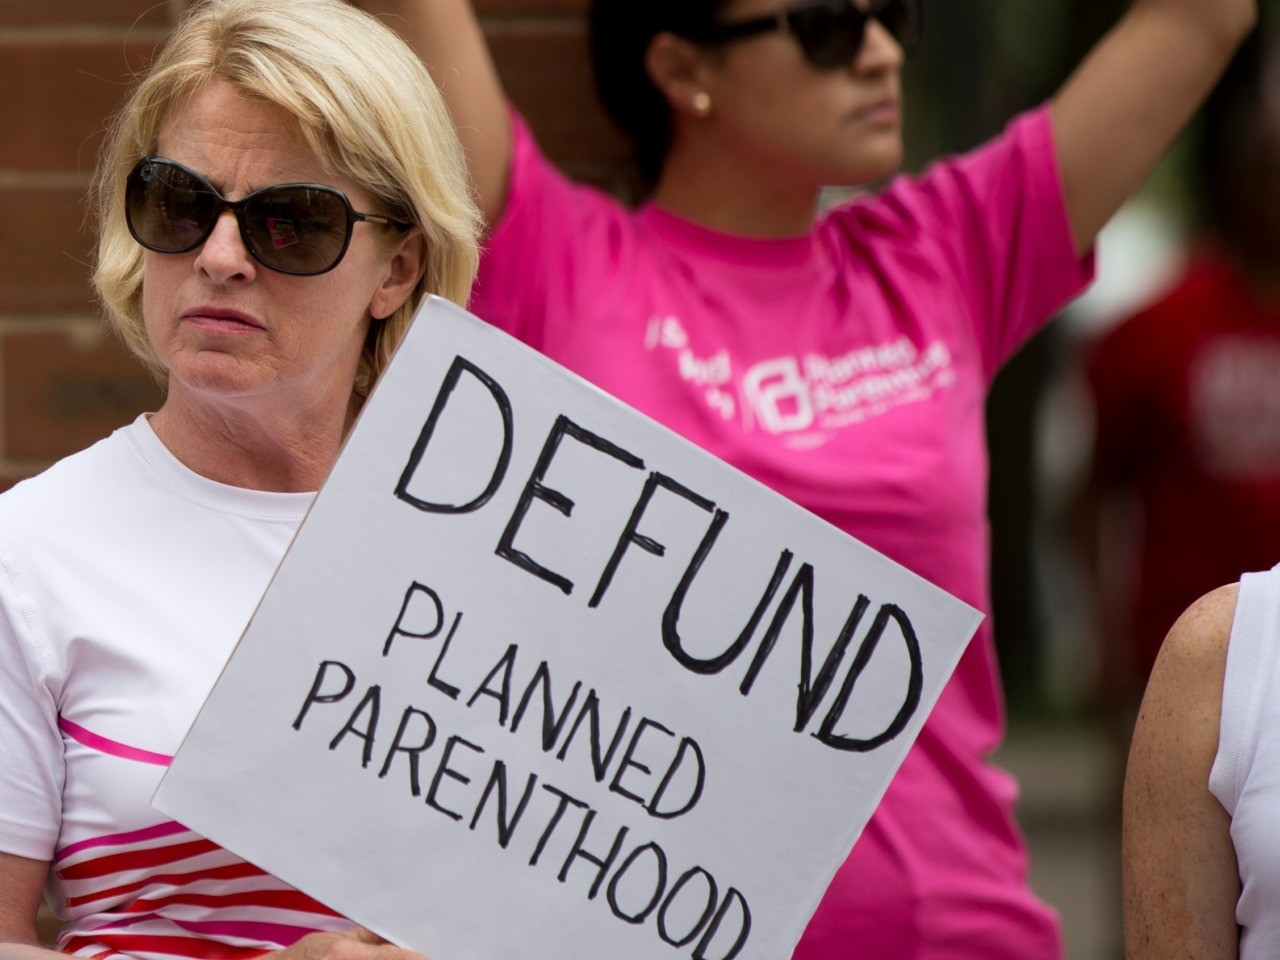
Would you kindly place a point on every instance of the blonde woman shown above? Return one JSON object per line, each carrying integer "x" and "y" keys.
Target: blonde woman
{"x": 276, "y": 197}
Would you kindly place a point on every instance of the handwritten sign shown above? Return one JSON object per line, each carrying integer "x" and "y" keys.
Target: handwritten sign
{"x": 538, "y": 678}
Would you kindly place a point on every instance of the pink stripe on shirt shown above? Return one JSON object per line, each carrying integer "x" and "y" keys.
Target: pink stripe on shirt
{"x": 217, "y": 930}
{"x": 122, "y": 839}
{"x": 113, "y": 747}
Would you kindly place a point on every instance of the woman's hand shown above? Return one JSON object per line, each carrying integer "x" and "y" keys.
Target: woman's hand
{"x": 354, "y": 944}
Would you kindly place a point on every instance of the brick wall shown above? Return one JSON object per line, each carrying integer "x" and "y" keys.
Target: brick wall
{"x": 64, "y": 66}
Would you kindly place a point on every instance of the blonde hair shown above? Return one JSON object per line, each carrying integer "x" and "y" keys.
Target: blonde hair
{"x": 363, "y": 103}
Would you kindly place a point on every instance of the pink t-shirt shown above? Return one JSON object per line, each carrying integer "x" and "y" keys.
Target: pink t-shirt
{"x": 848, "y": 370}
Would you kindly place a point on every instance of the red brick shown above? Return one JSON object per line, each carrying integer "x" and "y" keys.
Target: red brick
{"x": 545, "y": 71}
{"x": 61, "y": 395}
{"x": 27, "y": 13}
{"x": 60, "y": 98}
{"x": 45, "y": 247}
{"x": 531, "y": 8}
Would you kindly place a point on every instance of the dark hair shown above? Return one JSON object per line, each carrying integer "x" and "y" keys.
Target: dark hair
{"x": 620, "y": 34}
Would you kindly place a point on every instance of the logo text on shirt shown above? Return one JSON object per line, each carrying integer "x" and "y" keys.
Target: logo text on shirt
{"x": 805, "y": 396}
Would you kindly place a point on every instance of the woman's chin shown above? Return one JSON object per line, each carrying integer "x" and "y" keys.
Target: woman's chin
{"x": 211, "y": 379}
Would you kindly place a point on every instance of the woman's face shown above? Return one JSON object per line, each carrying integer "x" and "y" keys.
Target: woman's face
{"x": 819, "y": 127}
{"x": 230, "y": 332}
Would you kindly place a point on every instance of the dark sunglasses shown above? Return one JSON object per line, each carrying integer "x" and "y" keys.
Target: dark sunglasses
{"x": 302, "y": 229}
{"x": 830, "y": 32}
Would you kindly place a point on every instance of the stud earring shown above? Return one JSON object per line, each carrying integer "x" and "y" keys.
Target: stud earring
{"x": 701, "y": 103}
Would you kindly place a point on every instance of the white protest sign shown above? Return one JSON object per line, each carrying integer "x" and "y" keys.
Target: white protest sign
{"x": 539, "y": 678}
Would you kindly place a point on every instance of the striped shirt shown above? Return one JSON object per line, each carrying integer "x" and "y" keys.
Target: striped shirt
{"x": 125, "y": 581}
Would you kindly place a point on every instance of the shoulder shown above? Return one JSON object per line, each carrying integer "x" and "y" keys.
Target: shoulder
{"x": 61, "y": 505}
{"x": 1195, "y": 651}
{"x": 73, "y": 475}
{"x": 539, "y": 189}
{"x": 1176, "y": 737}
{"x": 1202, "y": 623}
{"x": 1181, "y": 875}
{"x": 1004, "y": 192}
{"x": 1183, "y": 699}
{"x": 556, "y": 240}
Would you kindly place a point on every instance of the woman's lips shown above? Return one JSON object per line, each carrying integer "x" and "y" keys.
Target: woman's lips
{"x": 220, "y": 319}
{"x": 882, "y": 112}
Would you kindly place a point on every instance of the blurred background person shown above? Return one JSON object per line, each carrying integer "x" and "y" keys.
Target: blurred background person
{"x": 1183, "y": 490}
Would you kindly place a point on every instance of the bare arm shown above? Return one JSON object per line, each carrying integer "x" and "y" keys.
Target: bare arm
{"x": 1130, "y": 98}
{"x": 1181, "y": 881}
{"x": 21, "y": 887}
{"x": 447, "y": 36}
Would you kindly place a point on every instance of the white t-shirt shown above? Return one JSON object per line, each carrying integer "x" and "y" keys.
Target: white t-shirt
{"x": 125, "y": 582}
{"x": 1246, "y": 771}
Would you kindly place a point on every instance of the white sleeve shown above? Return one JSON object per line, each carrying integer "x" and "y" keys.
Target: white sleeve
{"x": 1255, "y": 630}
{"x": 32, "y": 768}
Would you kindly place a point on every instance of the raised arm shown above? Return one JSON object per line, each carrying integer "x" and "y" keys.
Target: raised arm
{"x": 1181, "y": 881}
{"x": 1127, "y": 102}
{"x": 447, "y": 36}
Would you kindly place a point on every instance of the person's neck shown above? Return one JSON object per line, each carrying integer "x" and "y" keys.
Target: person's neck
{"x": 289, "y": 452}
{"x": 717, "y": 191}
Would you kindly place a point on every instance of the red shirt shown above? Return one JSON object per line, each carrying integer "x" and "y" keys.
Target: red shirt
{"x": 1188, "y": 405}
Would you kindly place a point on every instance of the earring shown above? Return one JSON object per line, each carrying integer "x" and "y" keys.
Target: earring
{"x": 701, "y": 103}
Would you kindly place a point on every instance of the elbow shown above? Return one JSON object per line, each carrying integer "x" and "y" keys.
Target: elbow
{"x": 1220, "y": 25}
{"x": 1239, "y": 20}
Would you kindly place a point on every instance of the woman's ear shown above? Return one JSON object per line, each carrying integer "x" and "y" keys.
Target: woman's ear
{"x": 407, "y": 264}
{"x": 678, "y": 68}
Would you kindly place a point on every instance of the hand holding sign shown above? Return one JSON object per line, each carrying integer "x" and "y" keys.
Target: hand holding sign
{"x": 354, "y": 944}
{"x": 533, "y": 658}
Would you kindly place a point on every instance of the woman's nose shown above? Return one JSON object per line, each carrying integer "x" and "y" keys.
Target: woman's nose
{"x": 879, "y": 51}
{"x": 223, "y": 255}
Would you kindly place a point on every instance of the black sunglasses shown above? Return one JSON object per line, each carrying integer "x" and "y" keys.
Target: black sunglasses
{"x": 302, "y": 229}
{"x": 830, "y": 32}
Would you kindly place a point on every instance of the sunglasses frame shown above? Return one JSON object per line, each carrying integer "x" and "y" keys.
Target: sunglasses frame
{"x": 238, "y": 208}
{"x": 783, "y": 21}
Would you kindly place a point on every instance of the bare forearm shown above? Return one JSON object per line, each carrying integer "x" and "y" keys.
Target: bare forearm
{"x": 1127, "y": 102}
{"x": 1222, "y": 22}
{"x": 448, "y": 38}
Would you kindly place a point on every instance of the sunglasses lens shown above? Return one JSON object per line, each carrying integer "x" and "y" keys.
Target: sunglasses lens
{"x": 299, "y": 230}
{"x": 167, "y": 209}
{"x": 830, "y": 35}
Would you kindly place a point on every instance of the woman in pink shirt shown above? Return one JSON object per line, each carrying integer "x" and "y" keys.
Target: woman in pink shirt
{"x": 841, "y": 358}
